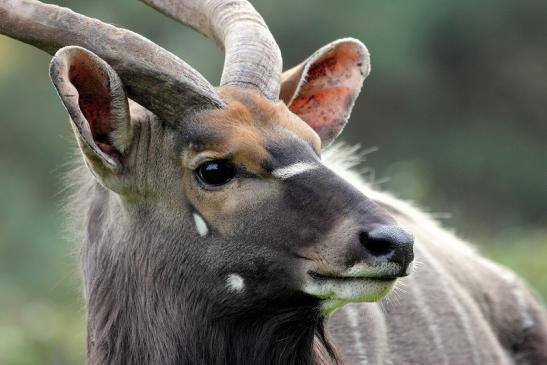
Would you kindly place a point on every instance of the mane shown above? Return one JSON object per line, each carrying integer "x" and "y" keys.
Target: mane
{"x": 345, "y": 161}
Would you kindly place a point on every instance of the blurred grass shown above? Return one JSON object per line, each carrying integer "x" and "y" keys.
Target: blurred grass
{"x": 455, "y": 101}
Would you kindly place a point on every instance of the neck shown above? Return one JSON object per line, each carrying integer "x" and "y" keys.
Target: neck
{"x": 139, "y": 314}
{"x": 132, "y": 331}
{"x": 293, "y": 337}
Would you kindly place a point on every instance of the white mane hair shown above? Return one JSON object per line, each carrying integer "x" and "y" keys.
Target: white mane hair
{"x": 345, "y": 161}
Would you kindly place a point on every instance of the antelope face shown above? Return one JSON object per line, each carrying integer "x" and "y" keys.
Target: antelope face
{"x": 284, "y": 223}
{"x": 232, "y": 203}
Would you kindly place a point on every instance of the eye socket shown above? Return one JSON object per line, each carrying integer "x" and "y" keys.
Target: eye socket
{"x": 215, "y": 172}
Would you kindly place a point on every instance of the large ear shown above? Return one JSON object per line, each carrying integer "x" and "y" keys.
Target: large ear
{"x": 323, "y": 89}
{"x": 93, "y": 95}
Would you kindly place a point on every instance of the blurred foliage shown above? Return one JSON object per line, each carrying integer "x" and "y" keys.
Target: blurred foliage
{"x": 456, "y": 102}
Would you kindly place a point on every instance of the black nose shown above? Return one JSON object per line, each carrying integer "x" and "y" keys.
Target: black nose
{"x": 389, "y": 243}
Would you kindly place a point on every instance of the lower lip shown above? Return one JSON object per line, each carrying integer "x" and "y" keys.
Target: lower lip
{"x": 337, "y": 291}
{"x": 320, "y": 277}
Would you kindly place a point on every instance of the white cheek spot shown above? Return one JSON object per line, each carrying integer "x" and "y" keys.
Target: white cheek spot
{"x": 234, "y": 282}
{"x": 297, "y": 168}
{"x": 201, "y": 226}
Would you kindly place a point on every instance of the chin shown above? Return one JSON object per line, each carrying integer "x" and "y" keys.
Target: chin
{"x": 337, "y": 292}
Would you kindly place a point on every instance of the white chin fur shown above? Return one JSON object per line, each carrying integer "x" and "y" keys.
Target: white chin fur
{"x": 338, "y": 292}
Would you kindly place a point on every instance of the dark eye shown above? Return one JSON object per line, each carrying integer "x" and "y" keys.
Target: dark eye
{"x": 215, "y": 172}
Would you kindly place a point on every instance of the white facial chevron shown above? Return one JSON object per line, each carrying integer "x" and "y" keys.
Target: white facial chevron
{"x": 294, "y": 169}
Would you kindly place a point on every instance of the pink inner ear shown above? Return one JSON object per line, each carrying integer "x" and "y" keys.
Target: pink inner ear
{"x": 94, "y": 99}
{"x": 324, "y": 110}
{"x": 332, "y": 83}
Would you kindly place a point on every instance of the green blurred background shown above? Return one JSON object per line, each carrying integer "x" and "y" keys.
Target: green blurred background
{"x": 456, "y": 103}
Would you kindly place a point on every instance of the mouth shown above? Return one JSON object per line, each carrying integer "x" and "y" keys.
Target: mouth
{"x": 349, "y": 289}
{"x": 338, "y": 290}
{"x": 321, "y": 277}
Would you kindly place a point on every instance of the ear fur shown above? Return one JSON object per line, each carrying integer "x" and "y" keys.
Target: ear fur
{"x": 323, "y": 89}
{"x": 93, "y": 95}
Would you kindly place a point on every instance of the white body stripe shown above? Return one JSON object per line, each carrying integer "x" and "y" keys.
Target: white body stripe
{"x": 457, "y": 306}
{"x": 358, "y": 340}
{"x": 294, "y": 169}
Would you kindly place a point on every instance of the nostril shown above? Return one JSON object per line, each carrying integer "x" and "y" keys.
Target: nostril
{"x": 389, "y": 242}
{"x": 376, "y": 246}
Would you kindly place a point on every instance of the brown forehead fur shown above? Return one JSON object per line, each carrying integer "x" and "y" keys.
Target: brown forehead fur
{"x": 248, "y": 121}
